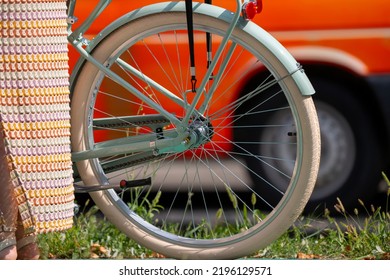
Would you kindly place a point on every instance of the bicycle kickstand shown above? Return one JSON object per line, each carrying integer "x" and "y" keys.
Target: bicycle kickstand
{"x": 123, "y": 185}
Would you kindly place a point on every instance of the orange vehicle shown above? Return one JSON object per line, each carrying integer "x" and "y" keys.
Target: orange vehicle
{"x": 344, "y": 47}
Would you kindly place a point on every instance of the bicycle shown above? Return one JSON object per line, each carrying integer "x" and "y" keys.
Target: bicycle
{"x": 161, "y": 158}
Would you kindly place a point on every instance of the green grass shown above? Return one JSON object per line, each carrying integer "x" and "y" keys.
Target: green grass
{"x": 363, "y": 234}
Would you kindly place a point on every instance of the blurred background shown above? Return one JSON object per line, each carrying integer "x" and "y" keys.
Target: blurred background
{"x": 344, "y": 47}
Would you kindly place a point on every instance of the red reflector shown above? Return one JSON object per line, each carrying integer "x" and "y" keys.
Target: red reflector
{"x": 251, "y": 8}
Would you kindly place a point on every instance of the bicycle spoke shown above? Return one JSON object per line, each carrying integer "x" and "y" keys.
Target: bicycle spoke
{"x": 218, "y": 161}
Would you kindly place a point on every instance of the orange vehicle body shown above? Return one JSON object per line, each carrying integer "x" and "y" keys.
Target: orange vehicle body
{"x": 345, "y": 42}
{"x": 357, "y": 28}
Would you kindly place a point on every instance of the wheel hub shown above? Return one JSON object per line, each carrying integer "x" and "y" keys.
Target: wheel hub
{"x": 201, "y": 132}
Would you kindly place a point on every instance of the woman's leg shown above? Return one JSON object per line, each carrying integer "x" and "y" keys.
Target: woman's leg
{"x": 13, "y": 241}
{"x": 27, "y": 248}
{"x": 8, "y": 210}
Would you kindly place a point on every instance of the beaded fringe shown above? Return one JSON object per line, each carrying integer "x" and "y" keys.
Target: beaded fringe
{"x": 34, "y": 111}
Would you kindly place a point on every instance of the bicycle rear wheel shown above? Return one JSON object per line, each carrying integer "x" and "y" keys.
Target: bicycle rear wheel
{"x": 212, "y": 200}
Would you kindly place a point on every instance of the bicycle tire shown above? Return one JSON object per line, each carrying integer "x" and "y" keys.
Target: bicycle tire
{"x": 154, "y": 228}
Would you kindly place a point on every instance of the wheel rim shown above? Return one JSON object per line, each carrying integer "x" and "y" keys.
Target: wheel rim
{"x": 215, "y": 176}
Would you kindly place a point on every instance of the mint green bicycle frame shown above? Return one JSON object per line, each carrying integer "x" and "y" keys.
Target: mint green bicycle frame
{"x": 173, "y": 142}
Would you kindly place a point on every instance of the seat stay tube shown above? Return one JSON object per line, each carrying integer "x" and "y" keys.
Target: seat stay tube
{"x": 217, "y": 78}
{"x": 209, "y": 73}
{"x": 158, "y": 146}
{"x": 76, "y": 40}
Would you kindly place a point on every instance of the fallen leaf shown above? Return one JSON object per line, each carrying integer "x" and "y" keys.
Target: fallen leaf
{"x": 386, "y": 256}
{"x": 307, "y": 256}
{"x": 157, "y": 255}
{"x": 97, "y": 249}
{"x": 93, "y": 256}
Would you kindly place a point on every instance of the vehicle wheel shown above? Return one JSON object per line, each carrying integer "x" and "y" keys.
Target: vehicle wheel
{"x": 350, "y": 157}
